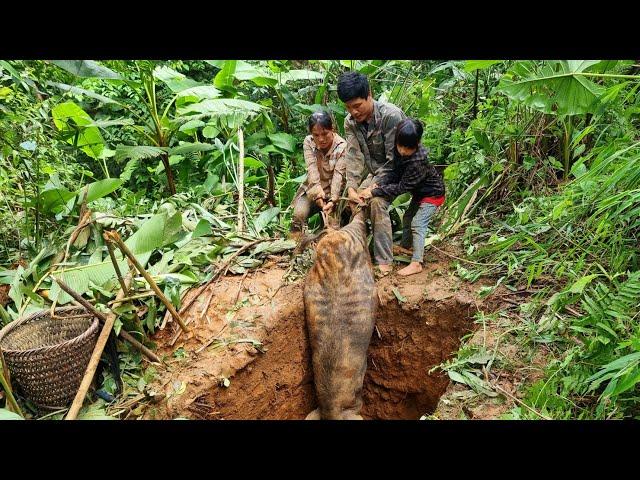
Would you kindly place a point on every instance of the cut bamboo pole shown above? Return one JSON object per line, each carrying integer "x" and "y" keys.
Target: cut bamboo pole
{"x": 6, "y": 385}
{"x": 241, "y": 181}
{"x": 115, "y": 264}
{"x": 132, "y": 297}
{"x": 114, "y": 237}
{"x": 125, "y": 335}
{"x": 94, "y": 360}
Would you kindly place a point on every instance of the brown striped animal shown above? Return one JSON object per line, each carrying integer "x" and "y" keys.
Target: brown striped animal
{"x": 340, "y": 302}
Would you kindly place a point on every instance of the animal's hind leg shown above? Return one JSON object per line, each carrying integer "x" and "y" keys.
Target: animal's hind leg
{"x": 315, "y": 415}
{"x": 351, "y": 415}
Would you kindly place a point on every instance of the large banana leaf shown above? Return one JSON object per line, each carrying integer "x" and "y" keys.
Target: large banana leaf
{"x": 245, "y": 71}
{"x": 154, "y": 233}
{"x": 283, "y": 141}
{"x": 224, "y": 78}
{"x": 86, "y": 68}
{"x": 220, "y": 106}
{"x": 76, "y": 125}
{"x": 294, "y": 75}
{"x": 195, "y": 94}
{"x": 100, "y": 189}
{"x": 261, "y": 77}
{"x": 472, "y": 65}
{"x": 559, "y": 87}
{"x": 176, "y": 81}
{"x": 81, "y": 91}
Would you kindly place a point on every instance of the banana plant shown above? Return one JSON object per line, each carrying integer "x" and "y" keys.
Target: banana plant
{"x": 565, "y": 88}
{"x": 190, "y": 101}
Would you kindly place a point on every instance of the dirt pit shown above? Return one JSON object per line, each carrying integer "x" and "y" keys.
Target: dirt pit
{"x": 263, "y": 370}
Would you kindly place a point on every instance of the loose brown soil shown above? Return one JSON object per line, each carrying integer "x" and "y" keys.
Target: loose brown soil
{"x": 417, "y": 327}
{"x": 4, "y": 295}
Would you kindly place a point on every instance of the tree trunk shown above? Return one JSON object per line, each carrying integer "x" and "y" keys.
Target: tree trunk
{"x": 167, "y": 168}
{"x": 271, "y": 197}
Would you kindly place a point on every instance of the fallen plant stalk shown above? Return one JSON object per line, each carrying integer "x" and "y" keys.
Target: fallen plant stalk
{"x": 11, "y": 400}
{"x": 113, "y": 236}
{"x": 125, "y": 335}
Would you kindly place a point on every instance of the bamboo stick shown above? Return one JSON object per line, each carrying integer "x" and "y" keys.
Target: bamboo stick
{"x": 125, "y": 335}
{"x": 114, "y": 237}
{"x": 93, "y": 361}
{"x": 241, "y": 181}
{"x": 132, "y": 297}
{"x": 6, "y": 385}
{"x": 115, "y": 264}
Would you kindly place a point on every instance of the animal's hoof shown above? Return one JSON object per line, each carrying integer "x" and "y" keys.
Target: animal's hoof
{"x": 351, "y": 416}
{"x": 315, "y": 415}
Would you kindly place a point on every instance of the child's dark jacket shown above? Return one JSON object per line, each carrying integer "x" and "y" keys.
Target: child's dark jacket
{"x": 411, "y": 174}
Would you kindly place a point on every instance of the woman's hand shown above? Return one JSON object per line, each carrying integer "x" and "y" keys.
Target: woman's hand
{"x": 328, "y": 208}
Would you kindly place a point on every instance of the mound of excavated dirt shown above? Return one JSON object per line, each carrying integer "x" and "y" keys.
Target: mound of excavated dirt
{"x": 257, "y": 364}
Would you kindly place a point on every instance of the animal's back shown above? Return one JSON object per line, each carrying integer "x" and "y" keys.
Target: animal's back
{"x": 340, "y": 300}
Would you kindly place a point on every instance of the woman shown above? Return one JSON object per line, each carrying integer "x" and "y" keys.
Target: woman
{"x": 324, "y": 153}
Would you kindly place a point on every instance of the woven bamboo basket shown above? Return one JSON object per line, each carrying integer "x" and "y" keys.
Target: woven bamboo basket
{"x": 47, "y": 357}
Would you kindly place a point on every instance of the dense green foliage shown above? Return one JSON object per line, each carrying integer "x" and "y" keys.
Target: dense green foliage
{"x": 542, "y": 168}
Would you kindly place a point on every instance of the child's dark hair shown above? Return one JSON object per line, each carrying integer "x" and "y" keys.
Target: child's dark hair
{"x": 322, "y": 118}
{"x": 409, "y": 133}
{"x": 352, "y": 85}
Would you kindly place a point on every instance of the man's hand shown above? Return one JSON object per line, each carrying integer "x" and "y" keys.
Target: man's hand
{"x": 365, "y": 194}
{"x": 320, "y": 202}
{"x": 328, "y": 208}
{"x": 353, "y": 195}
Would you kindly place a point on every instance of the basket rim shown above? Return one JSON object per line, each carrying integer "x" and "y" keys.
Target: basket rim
{"x": 18, "y": 322}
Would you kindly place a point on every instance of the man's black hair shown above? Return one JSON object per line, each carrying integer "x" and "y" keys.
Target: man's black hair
{"x": 322, "y": 118}
{"x": 409, "y": 133}
{"x": 353, "y": 85}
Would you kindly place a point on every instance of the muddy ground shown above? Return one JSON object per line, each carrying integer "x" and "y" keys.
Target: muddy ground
{"x": 247, "y": 356}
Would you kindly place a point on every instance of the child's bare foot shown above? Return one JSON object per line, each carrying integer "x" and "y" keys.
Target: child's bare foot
{"x": 413, "y": 267}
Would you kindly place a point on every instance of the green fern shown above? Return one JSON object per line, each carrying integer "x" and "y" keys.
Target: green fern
{"x": 286, "y": 187}
{"x": 611, "y": 313}
{"x": 615, "y": 307}
{"x": 137, "y": 152}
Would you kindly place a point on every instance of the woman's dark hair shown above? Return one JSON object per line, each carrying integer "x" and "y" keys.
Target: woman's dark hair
{"x": 322, "y": 118}
{"x": 409, "y": 133}
{"x": 352, "y": 85}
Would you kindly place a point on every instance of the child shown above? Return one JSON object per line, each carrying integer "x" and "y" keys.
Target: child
{"x": 413, "y": 173}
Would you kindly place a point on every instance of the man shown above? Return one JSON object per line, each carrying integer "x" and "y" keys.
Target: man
{"x": 370, "y": 134}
